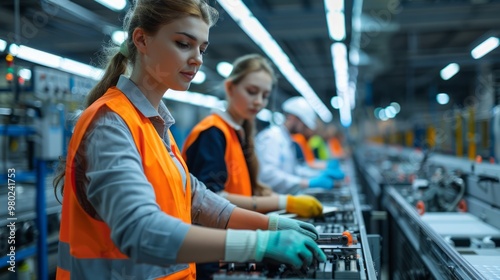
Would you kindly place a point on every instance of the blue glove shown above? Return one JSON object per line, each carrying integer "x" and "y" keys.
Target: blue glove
{"x": 281, "y": 223}
{"x": 323, "y": 181}
{"x": 333, "y": 170}
{"x": 287, "y": 246}
{"x": 336, "y": 174}
{"x": 333, "y": 164}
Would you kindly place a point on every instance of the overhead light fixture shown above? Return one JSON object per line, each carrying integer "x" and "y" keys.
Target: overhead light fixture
{"x": 335, "y": 19}
{"x": 252, "y": 27}
{"x": 115, "y": 5}
{"x": 396, "y": 106}
{"x": 55, "y": 61}
{"x": 390, "y": 112}
{"x": 200, "y": 77}
{"x": 449, "y": 71}
{"x": 485, "y": 47}
{"x": 224, "y": 68}
{"x": 341, "y": 71}
{"x": 119, "y": 36}
{"x": 442, "y": 98}
{"x": 78, "y": 68}
{"x": 194, "y": 98}
{"x": 382, "y": 116}
{"x": 337, "y": 102}
{"x": 35, "y": 56}
{"x": 265, "y": 115}
{"x": 3, "y": 45}
{"x": 25, "y": 74}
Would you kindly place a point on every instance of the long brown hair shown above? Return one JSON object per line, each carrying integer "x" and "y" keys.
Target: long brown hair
{"x": 243, "y": 66}
{"x": 150, "y": 16}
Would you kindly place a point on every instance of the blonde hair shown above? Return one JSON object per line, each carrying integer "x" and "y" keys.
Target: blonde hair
{"x": 243, "y": 66}
{"x": 150, "y": 15}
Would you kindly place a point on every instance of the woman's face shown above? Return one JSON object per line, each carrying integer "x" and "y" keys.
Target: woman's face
{"x": 249, "y": 96}
{"x": 171, "y": 58}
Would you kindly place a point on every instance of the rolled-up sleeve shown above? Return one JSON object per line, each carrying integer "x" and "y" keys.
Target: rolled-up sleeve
{"x": 124, "y": 199}
{"x": 208, "y": 208}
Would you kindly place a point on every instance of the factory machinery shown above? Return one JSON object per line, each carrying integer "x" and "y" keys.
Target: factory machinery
{"x": 26, "y": 231}
{"x": 343, "y": 239}
{"x": 35, "y": 105}
{"x": 442, "y": 213}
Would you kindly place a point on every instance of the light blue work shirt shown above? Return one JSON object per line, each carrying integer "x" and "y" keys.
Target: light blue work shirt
{"x": 111, "y": 173}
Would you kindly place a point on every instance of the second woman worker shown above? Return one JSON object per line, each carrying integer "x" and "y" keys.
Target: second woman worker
{"x": 219, "y": 151}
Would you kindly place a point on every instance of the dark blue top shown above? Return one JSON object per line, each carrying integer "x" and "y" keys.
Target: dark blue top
{"x": 205, "y": 159}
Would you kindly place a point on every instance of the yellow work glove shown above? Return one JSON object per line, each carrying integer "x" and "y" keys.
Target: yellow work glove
{"x": 304, "y": 206}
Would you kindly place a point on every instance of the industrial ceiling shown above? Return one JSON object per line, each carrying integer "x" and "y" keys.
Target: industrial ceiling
{"x": 403, "y": 45}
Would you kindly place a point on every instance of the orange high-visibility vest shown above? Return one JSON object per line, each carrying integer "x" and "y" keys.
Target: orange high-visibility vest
{"x": 85, "y": 247}
{"x": 238, "y": 178}
{"x": 304, "y": 147}
{"x": 336, "y": 147}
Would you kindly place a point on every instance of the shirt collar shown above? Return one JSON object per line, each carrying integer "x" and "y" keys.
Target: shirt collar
{"x": 227, "y": 118}
{"x": 134, "y": 94}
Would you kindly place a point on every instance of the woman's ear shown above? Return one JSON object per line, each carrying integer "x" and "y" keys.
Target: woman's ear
{"x": 228, "y": 86}
{"x": 139, "y": 38}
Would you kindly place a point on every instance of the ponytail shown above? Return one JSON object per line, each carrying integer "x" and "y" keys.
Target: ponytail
{"x": 258, "y": 188}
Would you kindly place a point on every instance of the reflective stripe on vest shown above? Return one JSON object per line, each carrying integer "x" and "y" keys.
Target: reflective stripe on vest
{"x": 86, "y": 241}
{"x": 238, "y": 178}
{"x": 304, "y": 147}
{"x": 118, "y": 269}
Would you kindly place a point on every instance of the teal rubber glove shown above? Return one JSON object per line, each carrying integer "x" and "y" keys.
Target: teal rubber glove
{"x": 322, "y": 181}
{"x": 281, "y": 223}
{"x": 333, "y": 170}
{"x": 336, "y": 174}
{"x": 333, "y": 164}
{"x": 287, "y": 246}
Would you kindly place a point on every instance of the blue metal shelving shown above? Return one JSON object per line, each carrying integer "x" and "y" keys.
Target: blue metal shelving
{"x": 40, "y": 250}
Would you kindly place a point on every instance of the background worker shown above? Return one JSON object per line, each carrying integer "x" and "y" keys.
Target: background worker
{"x": 219, "y": 150}
{"x": 317, "y": 143}
{"x": 129, "y": 202}
{"x": 335, "y": 140}
{"x": 277, "y": 156}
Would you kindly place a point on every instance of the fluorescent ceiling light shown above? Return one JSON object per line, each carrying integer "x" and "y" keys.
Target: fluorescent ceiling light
{"x": 200, "y": 77}
{"x": 449, "y": 71}
{"x": 485, "y": 47}
{"x": 35, "y": 56}
{"x": 265, "y": 115}
{"x": 442, "y": 98}
{"x": 78, "y": 68}
{"x": 119, "y": 36}
{"x": 341, "y": 70}
{"x": 335, "y": 19}
{"x": 194, "y": 98}
{"x": 390, "y": 112}
{"x": 25, "y": 73}
{"x": 55, "y": 61}
{"x": 254, "y": 29}
{"x": 224, "y": 68}
{"x": 3, "y": 45}
{"x": 396, "y": 106}
{"x": 382, "y": 116}
{"x": 337, "y": 102}
{"x": 115, "y": 5}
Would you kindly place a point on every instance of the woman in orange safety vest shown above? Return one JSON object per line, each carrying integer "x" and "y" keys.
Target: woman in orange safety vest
{"x": 219, "y": 151}
{"x": 129, "y": 204}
